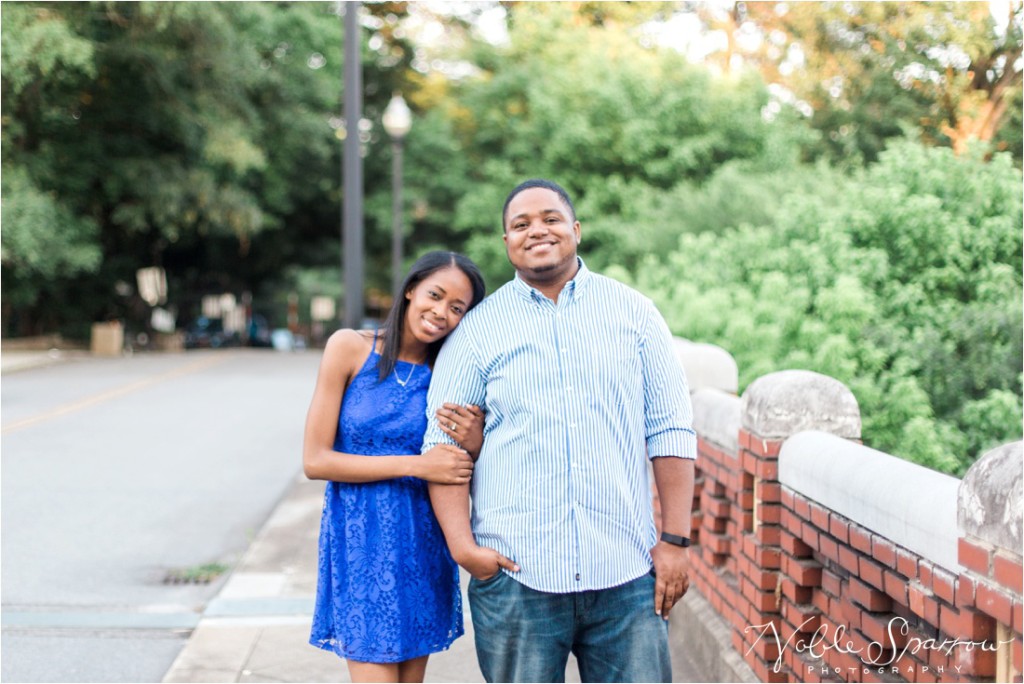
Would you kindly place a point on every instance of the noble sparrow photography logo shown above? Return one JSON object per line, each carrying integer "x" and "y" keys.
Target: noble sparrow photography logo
{"x": 877, "y": 656}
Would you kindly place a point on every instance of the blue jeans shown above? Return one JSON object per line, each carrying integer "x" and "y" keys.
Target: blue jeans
{"x": 523, "y": 635}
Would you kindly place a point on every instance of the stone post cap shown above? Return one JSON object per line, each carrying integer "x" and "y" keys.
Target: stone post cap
{"x": 707, "y": 365}
{"x": 784, "y": 403}
{"x": 989, "y": 500}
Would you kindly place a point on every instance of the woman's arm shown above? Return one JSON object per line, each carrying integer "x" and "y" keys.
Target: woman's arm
{"x": 343, "y": 355}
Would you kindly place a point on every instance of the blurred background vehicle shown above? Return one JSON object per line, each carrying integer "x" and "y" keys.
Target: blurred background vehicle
{"x": 209, "y": 333}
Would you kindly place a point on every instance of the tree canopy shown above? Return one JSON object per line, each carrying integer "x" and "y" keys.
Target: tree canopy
{"x": 832, "y": 186}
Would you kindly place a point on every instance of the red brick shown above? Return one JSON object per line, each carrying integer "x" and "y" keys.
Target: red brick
{"x": 876, "y": 628}
{"x": 924, "y": 570}
{"x": 745, "y": 499}
{"x": 746, "y": 482}
{"x": 769, "y": 492}
{"x": 829, "y": 548}
{"x": 831, "y": 583}
{"x": 718, "y": 544}
{"x": 1009, "y": 572}
{"x": 896, "y": 587}
{"x": 786, "y": 496}
{"x": 883, "y": 551}
{"x": 714, "y": 525}
{"x": 1018, "y": 617}
{"x": 745, "y": 520}
{"x": 974, "y": 557}
{"x": 749, "y": 546}
{"x": 943, "y": 585}
{"x": 809, "y": 533}
{"x": 766, "y": 448}
{"x": 1017, "y": 648}
{"x": 975, "y": 662}
{"x": 931, "y": 610}
{"x": 714, "y": 506}
{"x": 839, "y": 528}
{"x": 819, "y": 516}
{"x": 872, "y": 599}
{"x": 768, "y": 534}
{"x": 794, "y": 546}
{"x": 994, "y": 603}
{"x": 763, "y": 601}
{"x": 768, "y": 558}
{"x": 966, "y": 624}
{"x": 789, "y": 520}
{"x": 806, "y": 573}
{"x": 872, "y": 573}
{"x": 795, "y": 593}
{"x": 906, "y": 563}
{"x": 767, "y": 469}
{"x": 802, "y": 507}
{"x": 965, "y": 588}
{"x": 849, "y": 559}
{"x": 765, "y": 580}
{"x": 748, "y": 461}
{"x": 822, "y": 602}
{"x": 737, "y": 641}
{"x": 860, "y": 539}
{"x": 803, "y": 618}
{"x": 850, "y": 613}
{"x": 916, "y": 596}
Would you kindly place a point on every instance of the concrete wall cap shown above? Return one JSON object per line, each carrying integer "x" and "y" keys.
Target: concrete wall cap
{"x": 901, "y": 501}
{"x": 707, "y": 365}
{"x": 991, "y": 495}
{"x": 716, "y": 418}
{"x": 781, "y": 404}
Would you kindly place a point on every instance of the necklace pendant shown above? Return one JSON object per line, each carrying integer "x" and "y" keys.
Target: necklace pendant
{"x": 400, "y": 381}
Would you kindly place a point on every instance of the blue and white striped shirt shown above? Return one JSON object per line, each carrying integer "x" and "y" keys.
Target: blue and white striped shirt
{"x": 578, "y": 394}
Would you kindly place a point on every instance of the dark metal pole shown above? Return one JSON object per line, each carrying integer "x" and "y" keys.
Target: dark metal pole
{"x": 396, "y": 215}
{"x": 352, "y": 173}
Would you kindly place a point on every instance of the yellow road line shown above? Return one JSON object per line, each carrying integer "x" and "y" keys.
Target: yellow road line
{"x": 113, "y": 394}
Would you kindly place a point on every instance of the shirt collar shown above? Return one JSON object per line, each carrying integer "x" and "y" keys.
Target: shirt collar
{"x": 575, "y": 288}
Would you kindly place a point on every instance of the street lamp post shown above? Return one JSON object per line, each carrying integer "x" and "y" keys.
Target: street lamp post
{"x": 352, "y": 173}
{"x": 397, "y": 122}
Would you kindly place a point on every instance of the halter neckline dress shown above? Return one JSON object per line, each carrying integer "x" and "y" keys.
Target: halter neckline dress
{"x": 388, "y": 589}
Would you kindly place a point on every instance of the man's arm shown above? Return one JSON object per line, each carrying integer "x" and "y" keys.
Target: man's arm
{"x": 672, "y": 444}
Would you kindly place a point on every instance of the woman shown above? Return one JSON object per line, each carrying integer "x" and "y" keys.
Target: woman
{"x": 388, "y": 591}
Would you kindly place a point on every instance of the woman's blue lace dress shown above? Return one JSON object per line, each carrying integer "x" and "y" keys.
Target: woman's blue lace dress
{"x": 388, "y": 589}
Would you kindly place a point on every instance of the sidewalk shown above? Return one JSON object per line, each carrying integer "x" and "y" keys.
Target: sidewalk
{"x": 12, "y": 361}
{"x": 257, "y": 627}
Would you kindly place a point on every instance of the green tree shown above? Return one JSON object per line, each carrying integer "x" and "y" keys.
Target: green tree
{"x": 904, "y": 282}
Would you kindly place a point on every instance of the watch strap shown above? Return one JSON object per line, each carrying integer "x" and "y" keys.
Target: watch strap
{"x": 675, "y": 539}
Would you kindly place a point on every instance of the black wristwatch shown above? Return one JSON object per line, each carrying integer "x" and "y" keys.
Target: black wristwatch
{"x": 675, "y": 539}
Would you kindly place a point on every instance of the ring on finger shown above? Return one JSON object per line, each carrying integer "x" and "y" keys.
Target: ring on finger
{"x": 454, "y": 427}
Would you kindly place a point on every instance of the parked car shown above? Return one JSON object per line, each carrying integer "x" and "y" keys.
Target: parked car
{"x": 209, "y": 333}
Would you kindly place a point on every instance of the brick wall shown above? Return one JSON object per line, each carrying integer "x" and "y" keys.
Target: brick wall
{"x": 819, "y": 588}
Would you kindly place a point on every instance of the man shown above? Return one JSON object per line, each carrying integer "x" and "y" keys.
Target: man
{"x": 580, "y": 385}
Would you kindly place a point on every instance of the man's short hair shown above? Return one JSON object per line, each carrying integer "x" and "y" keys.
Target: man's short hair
{"x": 538, "y": 183}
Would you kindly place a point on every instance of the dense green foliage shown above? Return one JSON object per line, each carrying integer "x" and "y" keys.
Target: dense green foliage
{"x": 205, "y": 138}
{"x": 904, "y": 282}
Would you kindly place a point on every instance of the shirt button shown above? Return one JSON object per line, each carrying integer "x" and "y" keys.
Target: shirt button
{"x": 577, "y": 577}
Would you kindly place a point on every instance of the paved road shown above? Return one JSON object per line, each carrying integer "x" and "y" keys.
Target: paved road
{"x": 117, "y": 471}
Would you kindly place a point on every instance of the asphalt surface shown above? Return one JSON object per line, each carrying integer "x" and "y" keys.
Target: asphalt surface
{"x": 119, "y": 472}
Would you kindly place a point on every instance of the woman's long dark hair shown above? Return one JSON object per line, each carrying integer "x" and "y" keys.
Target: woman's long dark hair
{"x": 394, "y": 324}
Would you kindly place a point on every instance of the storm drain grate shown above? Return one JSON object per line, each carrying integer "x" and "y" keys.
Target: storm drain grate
{"x": 197, "y": 574}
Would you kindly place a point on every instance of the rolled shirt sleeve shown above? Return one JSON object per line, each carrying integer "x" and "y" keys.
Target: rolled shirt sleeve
{"x": 456, "y": 379}
{"x": 668, "y": 413}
